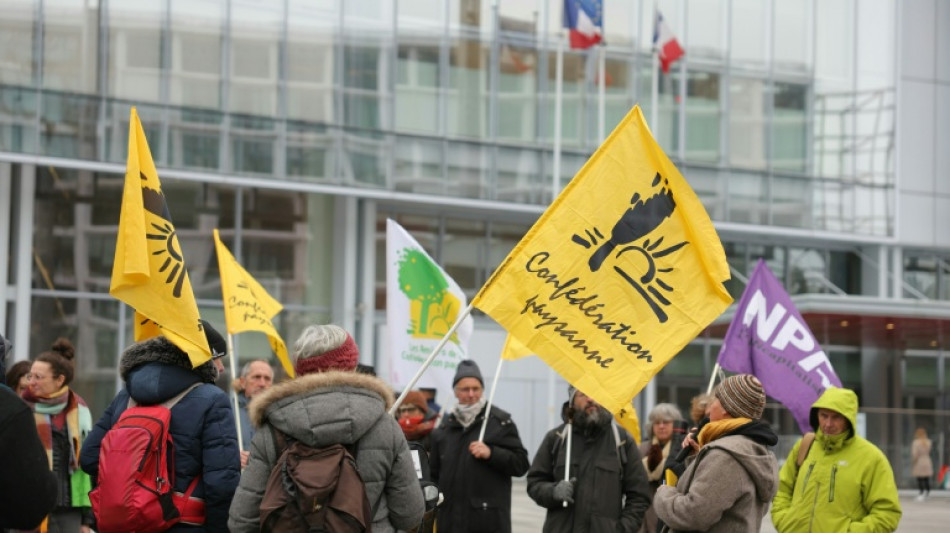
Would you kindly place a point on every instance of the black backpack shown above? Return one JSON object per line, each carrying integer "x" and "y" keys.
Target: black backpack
{"x": 314, "y": 490}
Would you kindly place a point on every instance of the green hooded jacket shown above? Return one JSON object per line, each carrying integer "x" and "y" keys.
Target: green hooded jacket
{"x": 844, "y": 484}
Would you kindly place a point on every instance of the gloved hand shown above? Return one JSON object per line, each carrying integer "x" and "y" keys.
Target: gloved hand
{"x": 564, "y": 490}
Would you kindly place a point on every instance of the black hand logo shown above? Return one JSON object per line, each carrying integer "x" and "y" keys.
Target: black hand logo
{"x": 636, "y": 222}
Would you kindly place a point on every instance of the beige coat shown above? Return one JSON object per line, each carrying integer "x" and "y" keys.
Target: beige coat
{"x": 922, "y": 465}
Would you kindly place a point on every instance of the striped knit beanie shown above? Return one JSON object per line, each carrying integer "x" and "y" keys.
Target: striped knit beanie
{"x": 742, "y": 396}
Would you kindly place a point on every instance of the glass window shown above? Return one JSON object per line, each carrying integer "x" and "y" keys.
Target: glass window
{"x": 791, "y": 39}
{"x": 807, "y": 270}
{"x": 18, "y": 128}
{"x": 703, "y": 117}
{"x": 572, "y": 98}
{"x": 470, "y": 16}
{"x": 255, "y": 37}
{"x": 705, "y": 27}
{"x": 253, "y": 142}
{"x": 468, "y": 166}
{"x": 791, "y": 203}
{"x": 92, "y": 327}
{"x": 17, "y": 49}
{"x": 834, "y": 38}
{"x": 747, "y": 104}
{"x": 310, "y": 60}
{"x": 466, "y": 96}
{"x": 920, "y": 372}
{"x": 749, "y": 26}
{"x": 419, "y": 166}
{"x": 417, "y": 89}
{"x": 362, "y": 81}
{"x": 519, "y": 176}
{"x": 517, "y": 93}
{"x": 421, "y": 14}
{"x": 789, "y": 127}
{"x": 920, "y": 273}
{"x": 71, "y": 44}
{"x": 195, "y": 71}
{"x": 309, "y": 152}
{"x": 66, "y": 118}
{"x": 135, "y": 50}
{"x": 194, "y": 138}
{"x": 620, "y": 22}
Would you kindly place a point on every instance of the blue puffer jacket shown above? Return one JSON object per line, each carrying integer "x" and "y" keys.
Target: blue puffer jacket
{"x": 202, "y": 425}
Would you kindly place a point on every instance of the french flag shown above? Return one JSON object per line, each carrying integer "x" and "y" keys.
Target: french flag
{"x": 668, "y": 48}
{"x": 584, "y": 19}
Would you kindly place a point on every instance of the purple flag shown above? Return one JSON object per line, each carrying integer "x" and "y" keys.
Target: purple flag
{"x": 769, "y": 339}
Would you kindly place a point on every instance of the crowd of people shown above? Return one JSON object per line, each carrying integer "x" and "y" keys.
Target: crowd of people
{"x": 715, "y": 472}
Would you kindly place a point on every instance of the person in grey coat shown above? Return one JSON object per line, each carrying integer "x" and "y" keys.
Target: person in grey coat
{"x": 329, "y": 403}
{"x": 728, "y": 485}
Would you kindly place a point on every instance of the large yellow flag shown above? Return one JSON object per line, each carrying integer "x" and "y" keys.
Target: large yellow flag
{"x": 149, "y": 269}
{"x": 619, "y": 273}
{"x": 247, "y": 306}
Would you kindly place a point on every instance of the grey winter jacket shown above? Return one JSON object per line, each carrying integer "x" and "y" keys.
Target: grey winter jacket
{"x": 333, "y": 408}
{"x": 726, "y": 488}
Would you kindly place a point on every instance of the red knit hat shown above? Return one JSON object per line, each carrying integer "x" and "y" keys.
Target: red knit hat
{"x": 343, "y": 357}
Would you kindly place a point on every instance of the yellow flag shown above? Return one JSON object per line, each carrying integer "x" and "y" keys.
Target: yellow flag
{"x": 247, "y": 306}
{"x": 149, "y": 269}
{"x": 628, "y": 419}
{"x": 619, "y": 273}
{"x": 514, "y": 349}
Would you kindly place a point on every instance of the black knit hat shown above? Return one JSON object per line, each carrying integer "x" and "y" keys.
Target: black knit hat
{"x": 467, "y": 369}
{"x": 219, "y": 346}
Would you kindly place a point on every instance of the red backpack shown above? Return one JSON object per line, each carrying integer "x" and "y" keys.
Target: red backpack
{"x": 137, "y": 474}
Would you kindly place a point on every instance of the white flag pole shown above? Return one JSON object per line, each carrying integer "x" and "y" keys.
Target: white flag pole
{"x": 567, "y": 458}
{"x": 234, "y": 393}
{"x": 601, "y": 91}
{"x": 435, "y": 351}
{"x": 491, "y": 396}
{"x": 655, "y": 82}
{"x": 558, "y": 96}
{"x": 712, "y": 379}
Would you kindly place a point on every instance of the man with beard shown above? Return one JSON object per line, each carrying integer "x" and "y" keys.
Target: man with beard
{"x": 475, "y": 475}
{"x": 607, "y": 490}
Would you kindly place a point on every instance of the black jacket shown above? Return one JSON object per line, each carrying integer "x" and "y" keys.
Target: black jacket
{"x": 202, "y": 425}
{"x": 27, "y": 486}
{"x": 477, "y": 492}
{"x": 611, "y": 493}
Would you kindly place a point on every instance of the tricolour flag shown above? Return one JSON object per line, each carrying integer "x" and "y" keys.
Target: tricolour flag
{"x": 149, "y": 269}
{"x": 619, "y": 273}
{"x": 769, "y": 339}
{"x": 247, "y": 306}
{"x": 667, "y": 47}
{"x": 422, "y": 304}
{"x": 585, "y": 21}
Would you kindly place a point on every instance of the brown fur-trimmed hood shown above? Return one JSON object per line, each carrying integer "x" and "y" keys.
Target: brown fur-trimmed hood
{"x": 324, "y": 408}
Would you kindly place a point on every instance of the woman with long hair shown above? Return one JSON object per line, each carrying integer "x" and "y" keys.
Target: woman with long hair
{"x": 922, "y": 466}
{"x": 62, "y": 421}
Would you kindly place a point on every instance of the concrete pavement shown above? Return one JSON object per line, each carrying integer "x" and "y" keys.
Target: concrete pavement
{"x": 932, "y": 514}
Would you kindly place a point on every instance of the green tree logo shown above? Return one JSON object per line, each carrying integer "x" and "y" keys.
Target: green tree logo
{"x": 432, "y": 307}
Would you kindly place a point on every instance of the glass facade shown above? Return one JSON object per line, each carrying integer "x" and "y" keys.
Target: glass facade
{"x": 456, "y": 98}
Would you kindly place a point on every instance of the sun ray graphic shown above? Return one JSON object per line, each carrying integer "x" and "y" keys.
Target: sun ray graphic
{"x": 166, "y": 233}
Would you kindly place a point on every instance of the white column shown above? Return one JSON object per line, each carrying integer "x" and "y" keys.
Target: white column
{"x": 22, "y": 311}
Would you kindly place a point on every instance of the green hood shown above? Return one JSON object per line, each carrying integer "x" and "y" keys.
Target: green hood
{"x": 843, "y": 401}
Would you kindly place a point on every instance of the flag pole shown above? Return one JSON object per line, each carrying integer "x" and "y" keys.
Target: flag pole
{"x": 655, "y": 81}
{"x": 491, "y": 396}
{"x": 712, "y": 378}
{"x": 234, "y": 393}
{"x": 435, "y": 351}
{"x": 567, "y": 458}
{"x": 601, "y": 91}
{"x": 558, "y": 96}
